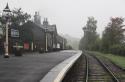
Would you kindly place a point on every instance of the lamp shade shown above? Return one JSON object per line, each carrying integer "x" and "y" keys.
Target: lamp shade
{"x": 6, "y": 11}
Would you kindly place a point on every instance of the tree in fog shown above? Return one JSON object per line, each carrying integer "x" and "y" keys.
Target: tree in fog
{"x": 88, "y": 42}
{"x": 19, "y": 17}
{"x": 113, "y": 34}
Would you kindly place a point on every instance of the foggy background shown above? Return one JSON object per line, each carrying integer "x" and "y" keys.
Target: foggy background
{"x": 71, "y": 15}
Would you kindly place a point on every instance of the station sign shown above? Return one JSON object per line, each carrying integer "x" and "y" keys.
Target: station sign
{"x": 14, "y": 33}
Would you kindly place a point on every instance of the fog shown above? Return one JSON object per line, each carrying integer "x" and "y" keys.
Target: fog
{"x": 71, "y": 15}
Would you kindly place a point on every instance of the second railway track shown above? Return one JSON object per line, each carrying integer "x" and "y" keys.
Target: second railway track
{"x": 96, "y": 72}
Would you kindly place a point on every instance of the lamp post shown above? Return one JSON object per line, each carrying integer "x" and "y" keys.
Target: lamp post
{"x": 6, "y": 15}
{"x": 46, "y": 40}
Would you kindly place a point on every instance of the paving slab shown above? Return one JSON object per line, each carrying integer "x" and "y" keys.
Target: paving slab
{"x": 30, "y": 67}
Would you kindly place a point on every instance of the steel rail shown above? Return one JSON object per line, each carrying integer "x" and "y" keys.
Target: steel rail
{"x": 87, "y": 69}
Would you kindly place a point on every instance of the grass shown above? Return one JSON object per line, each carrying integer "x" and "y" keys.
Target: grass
{"x": 119, "y": 60}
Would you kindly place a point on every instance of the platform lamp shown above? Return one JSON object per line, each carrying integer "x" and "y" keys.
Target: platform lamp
{"x": 46, "y": 39}
{"x": 45, "y": 22}
{"x": 6, "y": 15}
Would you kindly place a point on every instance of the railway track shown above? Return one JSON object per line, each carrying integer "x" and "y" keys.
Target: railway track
{"x": 96, "y": 71}
{"x": 90, "y": 68}
{"x": 117, "y": 71}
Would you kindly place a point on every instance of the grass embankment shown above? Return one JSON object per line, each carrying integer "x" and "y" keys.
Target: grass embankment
{"x": 118, "y": 60}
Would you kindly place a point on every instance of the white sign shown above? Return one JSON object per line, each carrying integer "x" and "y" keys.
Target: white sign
{"x": 58, "y": 45}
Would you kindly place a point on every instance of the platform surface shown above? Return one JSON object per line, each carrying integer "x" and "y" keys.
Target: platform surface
{"x": 30, "y": 67}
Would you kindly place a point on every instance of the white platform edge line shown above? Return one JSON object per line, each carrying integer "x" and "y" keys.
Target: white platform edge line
{"x": 59, "y": 75}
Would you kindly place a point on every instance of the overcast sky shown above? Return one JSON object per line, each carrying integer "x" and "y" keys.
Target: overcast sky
{"x": 71, "y": 15}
